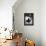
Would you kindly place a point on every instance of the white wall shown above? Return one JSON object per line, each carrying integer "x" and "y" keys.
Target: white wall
{"x": 6, "y": 13}
{"x": 30, "y": 32}
{"x": 43, "y": 22}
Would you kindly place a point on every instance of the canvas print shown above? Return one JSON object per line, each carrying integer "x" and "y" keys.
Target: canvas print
{"x": 28, "y": 18}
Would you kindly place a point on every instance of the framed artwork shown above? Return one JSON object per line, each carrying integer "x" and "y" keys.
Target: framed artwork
{"x": 28, "y": 18}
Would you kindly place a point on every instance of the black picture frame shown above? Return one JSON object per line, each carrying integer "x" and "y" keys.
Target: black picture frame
{"x": 28, "y": 18}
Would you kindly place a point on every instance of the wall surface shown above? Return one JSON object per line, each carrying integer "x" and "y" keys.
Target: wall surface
{"x": 6, "y": 13}
{"x": 29, "y": 32}
{"x": 43, "y": 22}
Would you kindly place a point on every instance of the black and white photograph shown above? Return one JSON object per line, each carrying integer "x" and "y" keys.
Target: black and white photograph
{"x": 28, "y": 19}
